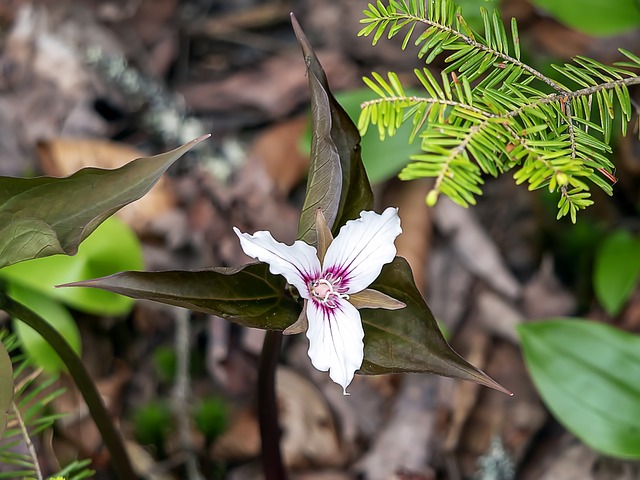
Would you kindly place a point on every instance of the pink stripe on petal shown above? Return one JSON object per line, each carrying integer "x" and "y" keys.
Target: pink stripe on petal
{"x": 335, "y": 340}
{"x": 362, "y": 247}
{"x": 298, "y": 263}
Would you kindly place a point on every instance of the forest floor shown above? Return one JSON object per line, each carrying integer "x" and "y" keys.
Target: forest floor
{"x": 98, "y": 83}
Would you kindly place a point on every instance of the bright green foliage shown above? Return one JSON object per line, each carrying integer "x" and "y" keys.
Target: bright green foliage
{"x": 210, "y": 418}
{"x": 587, "y": 374}
{"x": 77, "y": 470}
{"x": 488, "y": 112}
{"x": 112, "y": 247}
{"x": 28, "y": 415}
{"x": 152, "y": 424}
{"x": 41, "y": 354}
{"x": 616, "y": 270}
{"x": 33, "y": 283}
{"x": 594, "y": 17}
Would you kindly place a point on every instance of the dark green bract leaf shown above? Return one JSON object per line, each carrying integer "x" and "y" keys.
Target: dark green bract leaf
{"x": 44, "y": 216}
{"x": 6, "y": 387}
{"x": 38, "y": 349}
{"x": 408, "y": 340}
{"x": 248, "y": 295}
{"x": 594, "y": 17}
{"x": 616, "y": 270}
{"x": 111, "y": 248}
{"x": 587, "y": 373}
{"x": 382, "y": 159}
{"x": 337, "y": 180}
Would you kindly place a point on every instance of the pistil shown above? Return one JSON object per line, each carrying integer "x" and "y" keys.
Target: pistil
{"x": 323, "y": 289}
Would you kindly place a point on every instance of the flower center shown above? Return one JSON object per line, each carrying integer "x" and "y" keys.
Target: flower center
{"x": 327, "y": 290}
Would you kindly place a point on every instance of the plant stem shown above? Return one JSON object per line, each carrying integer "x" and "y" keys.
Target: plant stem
{"x": 181, "y": 392}
{"x": 268, "y": 407}
{"x": 110, "y": 436}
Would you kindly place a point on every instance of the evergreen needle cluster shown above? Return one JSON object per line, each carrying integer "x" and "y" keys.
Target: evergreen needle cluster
{"x": 488, "y": 112}
{"x": 28, "y": 416}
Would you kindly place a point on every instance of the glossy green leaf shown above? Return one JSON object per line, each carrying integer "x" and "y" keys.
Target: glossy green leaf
{"x": 337, "y": 180}
{"x": 594, "y": 17}
{"x": 409, "y": 340}
{"x": 616, "y": 270}
{"x": 111, "y": 248}
{"x": 382, "y": 159}
{"x": 6, "y": 386}
{"x": 45, "y": 216}
{"x": 249, "y": 295}
{"x": 36, "y": 347}
{"x": 587, "y": 374}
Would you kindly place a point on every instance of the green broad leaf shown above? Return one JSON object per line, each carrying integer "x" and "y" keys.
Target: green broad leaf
{"x": 409, "y": 340}
{"x": 470, "y": 10}
{"x": 249, "y": 295}
{"x": 46, "y": 215}
{"x": 111, "y": 248}
{"x": 382, "y": 159}
{"x": 587, "y": 374}
{"x": 36, "y": 347}
{"x": 594, "y": 17}
{"x": 6, "y": 387}
{"x": 616, "y": 270}
{"x": 337, "y": 181}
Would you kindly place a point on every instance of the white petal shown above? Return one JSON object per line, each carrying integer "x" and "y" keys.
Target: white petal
{"x": 335, "y": 340}
{"x": 362, "y": 247}
{"x": 298, "y": 263}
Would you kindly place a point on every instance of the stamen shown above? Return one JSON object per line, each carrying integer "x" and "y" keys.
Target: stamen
{"x": 327, "y": 291}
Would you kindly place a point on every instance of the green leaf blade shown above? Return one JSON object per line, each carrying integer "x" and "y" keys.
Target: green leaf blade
{"x": 337, "y": 182}
{"x": 594, "y": 17}
{"x": 408, "y": 339}
{"x": 586, "y": 372}
{"x": 249, "y": 295}
{"x": 41, "y": 218}
{"x": 37, "y": 348}
{"x": 616, "y": 271}
{"x": 99, "y": 255}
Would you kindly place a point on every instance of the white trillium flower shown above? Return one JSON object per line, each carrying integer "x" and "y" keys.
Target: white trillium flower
{"x": 333, "y": 280}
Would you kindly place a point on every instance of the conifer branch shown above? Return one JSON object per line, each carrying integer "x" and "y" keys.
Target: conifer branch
{"x": 27, "y": 440}
{"x": 486, "y": 115}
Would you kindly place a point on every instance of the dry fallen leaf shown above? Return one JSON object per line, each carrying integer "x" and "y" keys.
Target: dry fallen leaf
{"x": 278, "y": 150}
{"x": 515, "y": 420}
{"x": 403, "y": 442}
{"x": 415, "y": 242}
{"x": 575, "y": 461}
{"x": 144, "y": 464}
{"x": 309, "y": 436}
{"x": 271, "y": 89}
{"x": 475, "y": 248}
{"x": 77, "y": 426}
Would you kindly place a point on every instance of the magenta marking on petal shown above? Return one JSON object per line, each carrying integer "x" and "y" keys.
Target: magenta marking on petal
{"x": 339, "y": 275}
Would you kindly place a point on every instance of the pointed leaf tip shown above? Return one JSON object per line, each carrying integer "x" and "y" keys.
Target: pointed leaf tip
{"x": 29, "y": 231}
{"x": 198, "y": 140}
{"x": 220, "y": 291}
{"x": 409, "y": 340}
{"x": 337, "y": 180}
